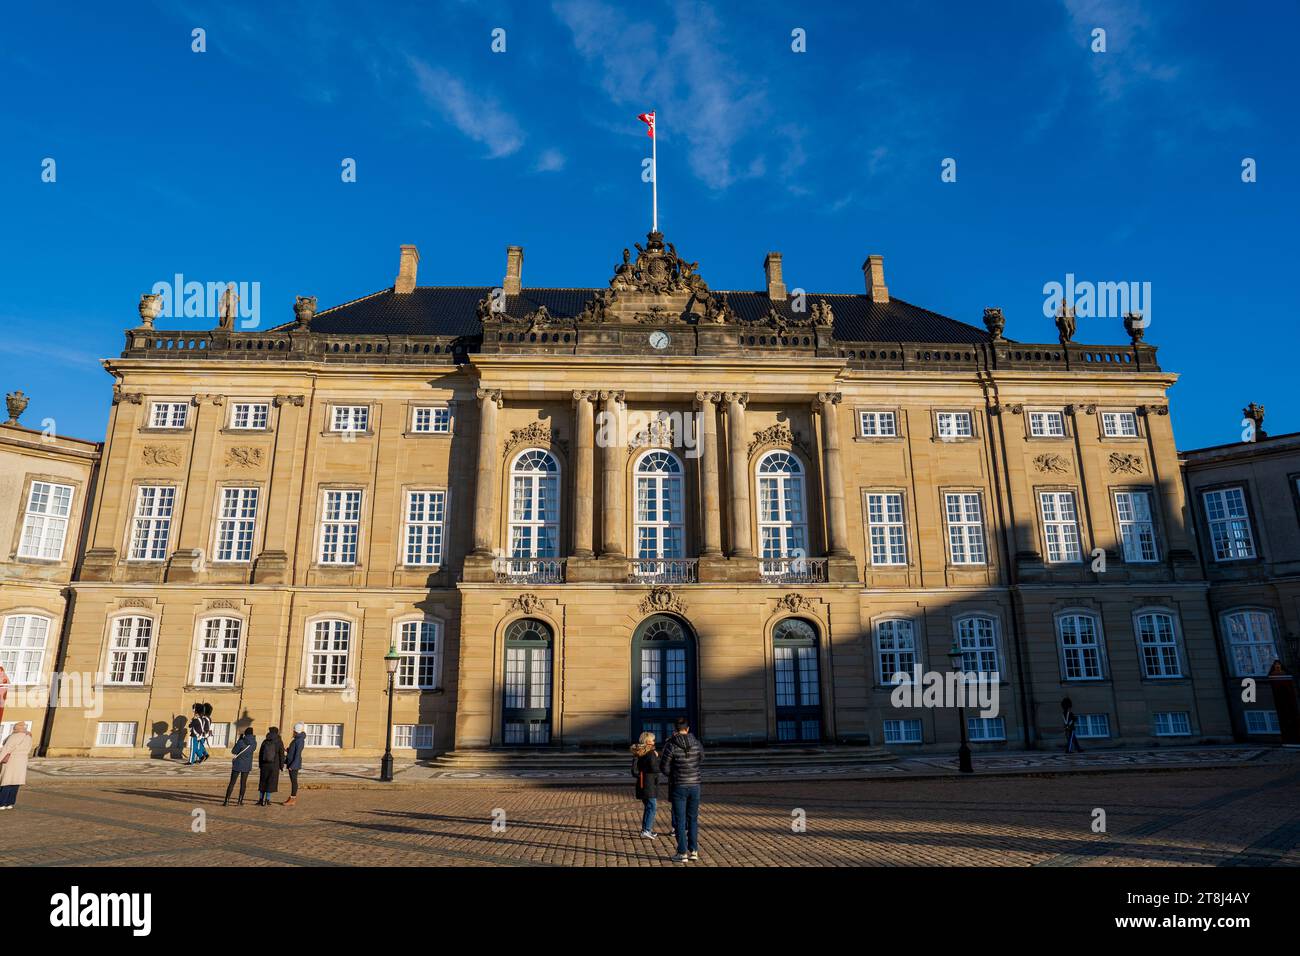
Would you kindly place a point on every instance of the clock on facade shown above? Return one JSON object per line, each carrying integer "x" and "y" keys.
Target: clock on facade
{"x": 659, "y": 340}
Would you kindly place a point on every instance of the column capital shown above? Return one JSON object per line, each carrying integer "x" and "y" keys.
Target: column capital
{"x": 707, "y": 398}
{"x": 282, "y": 400}
{"x": 736, "y": 398}
{"x": 612, "y": 394}
{"x": 827, "y": 398}
{"x": 493, "y": 395}
{"x": 585, "y": 395}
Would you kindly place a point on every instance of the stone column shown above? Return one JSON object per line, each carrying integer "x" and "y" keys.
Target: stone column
{"x": 836, "y": 515}
{"x": 612, "y": 477}
{"x": 738, "y": 467}
{"x": 710, "y": 493}
{"x": 485, "y": 484}
{"x": 584, "y": 477}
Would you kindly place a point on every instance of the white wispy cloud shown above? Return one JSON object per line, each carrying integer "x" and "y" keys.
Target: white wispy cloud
{"x": 550, "y": 161}
{"x": 477, "y": 116}
{"x": 677, "y": 67}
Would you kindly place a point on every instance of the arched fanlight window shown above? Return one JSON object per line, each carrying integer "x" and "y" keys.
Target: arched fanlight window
{"x": 798, "y": 687}
{"x": 660, "y": 531}
{"x": 534, "y": 505}
{"x": 782, "y": 518}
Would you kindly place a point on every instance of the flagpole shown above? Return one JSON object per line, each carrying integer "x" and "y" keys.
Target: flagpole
{"x": 654, "y": 172}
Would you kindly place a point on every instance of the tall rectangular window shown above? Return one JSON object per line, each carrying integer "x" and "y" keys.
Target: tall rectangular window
{"x": 954, "y": 424}
{"x": 877, "y": 424}
{"x": 431, "y": 420}
{"x": 152, "y": 524}
{"x": 350, "y": 418}
{"x": 22, "y": 647}
{"x": 218, "y": 652}
{"x": 128, "y": 650}
{"x": 1158, "y": 645}
{"x": 168, "y": 414}
{"x": 327, "y": 662}
{"x": 1229, "y": 521}
{"x": 885, "y": 525}
{"x": 250, "y": 416}
{"x": 45, "y": 524}
{"x": 896, "y": 651}
{"x": 426, "y": 512}
{"x": 965, "y": 528}
{"x": 977, "y": 639}
{"x": 1119, "y": 424}
{"x": 1060, "y": 526}
{"x": 236, "y": 518}
{"x": 1080, "y": 647}
{"x": 1137, "y": 527}
{"x": 417, "y": 643}
{"x": 1047, "y": 424}
{"x": 340, "y": 527}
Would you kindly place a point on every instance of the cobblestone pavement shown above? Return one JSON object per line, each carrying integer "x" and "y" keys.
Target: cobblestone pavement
{"x": 1240, "y": 815}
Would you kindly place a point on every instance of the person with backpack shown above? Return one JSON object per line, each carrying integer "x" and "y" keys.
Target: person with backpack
{"x": 270, "y": 761}
{"x": 293, "y": 760}
{"x": 241, "y": 764}
{"x": 1071, "y": 726}
{"x": 645, "y": 767}
{"x": 680, "y": 762}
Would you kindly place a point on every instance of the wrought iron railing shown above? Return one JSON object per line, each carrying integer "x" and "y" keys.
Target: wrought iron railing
{"x": 530, "y": 571}
{"x": 664, "y": 571}
{"x": 793, "y": 570}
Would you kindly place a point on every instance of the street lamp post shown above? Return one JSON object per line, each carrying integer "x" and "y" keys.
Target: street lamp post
{"x": 391, "y": 660}
{"x": 963, "y": 752}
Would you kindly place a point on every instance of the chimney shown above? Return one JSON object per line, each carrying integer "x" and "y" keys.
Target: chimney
{"x": 874, "y": 272}
{"x": 407, "y": 266}
{"x": 514, "y": 280}
{"x": 775, "y": 283}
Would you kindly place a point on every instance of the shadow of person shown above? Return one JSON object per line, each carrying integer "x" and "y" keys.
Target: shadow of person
{"x": 167, "y": 741}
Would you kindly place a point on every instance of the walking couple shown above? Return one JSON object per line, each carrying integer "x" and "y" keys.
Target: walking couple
{"x": 271, "y": 759}
{"x": 680, "y": 762}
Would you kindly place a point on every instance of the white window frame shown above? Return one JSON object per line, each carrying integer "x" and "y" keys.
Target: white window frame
{"x": 1270, "y": 727}
{"x": 906, "y": 731}
{"x": 534, "y": 505}
{"x": 786, "y": 534}
{"x": 43, "y": 519}
{"x": 1137, "y": 533}
{"x": 1079, "y": 632}
{"x": 431, "y": 419}
{"x": 877, "y": 423}
{"x": 151, "y": 522}
{"x": 1112, "y": 424}
{"x": 898, "y": 656}
{"x": 349, "y": 419}
{"x": 424, "y": 531}
{"x": 1057, "y": 527}
{"x": 1227, "y": 543}
{"x": 408, "y": 639}
{"x": 340, "y": 526}
{"x": 251, "y": 413}
{"x": 654, "y": 535}
{"x": 1087, "y": 726}
{"x": 954, "y": 425}
{"x": 413, "y": 736}
{"x": 133, "y": 645}
{"x": 163, "y": 415}
{"x": 118, "y": 735}
{"x": 967, "y": 533}
{"x": 323, "y": 653}
{"x": 236, "y": 525}
{"x": 1170, "y": 724}
{"x": 1158, "y": 647}
{"x": 971, "y": 640}
{"x": 887, "y": 529}
{"x": 1046, "y": 424}
{"x": 212, "y": 642}
{"x": 1256, "y": 624}
{"x": 317, "y": 737}
{"x": 22, "y": 659}
{"x": 986, "y": 729}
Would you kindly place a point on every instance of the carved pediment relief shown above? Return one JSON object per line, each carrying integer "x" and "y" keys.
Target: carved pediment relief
{"x": 245, "y": 457}
{"x": 527, "y": 603}
{"x": 1123, "y": 463}
{"x": 661, "y": 600}
{"x": 780, "y": 435}
{"x": 1052, "y": 464}
{"x": 658, "y": 433}
{"x": 162, "y": 455}
{"x": 658, "y": 270}
{"x": 536, "y": 433}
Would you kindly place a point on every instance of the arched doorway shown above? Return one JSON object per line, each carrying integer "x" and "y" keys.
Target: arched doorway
{"x": 526, "y": 701}
{"x": 663, "y": 676}
{"x": 798, "y": 682}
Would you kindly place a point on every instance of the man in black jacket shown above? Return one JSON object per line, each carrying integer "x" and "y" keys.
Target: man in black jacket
{"x": 682, "y": 757}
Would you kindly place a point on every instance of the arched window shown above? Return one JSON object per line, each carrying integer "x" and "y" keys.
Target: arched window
{"x": 218, "y": 652}
{"x": 896, "y": 651}
{"x": 22, "y": 647}
{"x": 782, "y": 520}
{"x": 977, "y": 636}
{"x": 1158, "y": 644}
{"x": 798, "y": 687}
{"x": 1080, "y": 638}
{"x": 327, "y": 658}
{"x": 659, "y": 525}
{"x": 1252, "y": 648}
{"x": 526, "y": 702}
{"x": 534, "y": 505}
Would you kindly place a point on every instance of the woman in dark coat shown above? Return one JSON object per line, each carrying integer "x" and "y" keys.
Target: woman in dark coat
{"x": 646, "y": 768}
{"x": 270, "y": 760}
{"x": 241, "y": 763}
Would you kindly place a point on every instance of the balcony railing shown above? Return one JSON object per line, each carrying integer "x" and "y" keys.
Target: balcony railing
{"x": 664, "y": 571}
{"x": 530, "y": 571}
{"x": 793, "y": 570}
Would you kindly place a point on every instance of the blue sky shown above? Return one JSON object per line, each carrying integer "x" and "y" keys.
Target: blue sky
{"x": 225, "y": 165}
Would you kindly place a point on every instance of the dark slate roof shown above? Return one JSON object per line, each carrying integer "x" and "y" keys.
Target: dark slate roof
{"x": 442, "y": 310}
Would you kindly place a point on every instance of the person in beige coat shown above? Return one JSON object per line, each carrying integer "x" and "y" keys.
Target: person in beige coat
{"x": 13, "y": 764}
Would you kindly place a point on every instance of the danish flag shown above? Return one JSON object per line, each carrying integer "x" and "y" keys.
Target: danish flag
{"x": 649, "y": 120}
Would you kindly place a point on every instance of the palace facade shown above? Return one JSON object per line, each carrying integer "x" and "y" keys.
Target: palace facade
{"x": 573, "y": 514}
